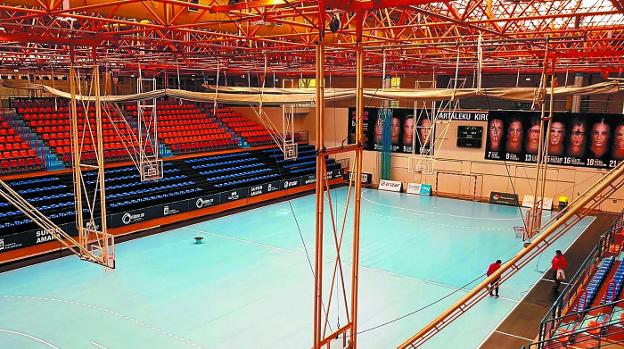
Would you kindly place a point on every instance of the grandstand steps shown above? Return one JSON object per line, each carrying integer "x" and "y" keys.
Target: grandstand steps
{"x": 241, "y": 141}
{"x": 164, "y": 151}
{"x": 49, "y": 157}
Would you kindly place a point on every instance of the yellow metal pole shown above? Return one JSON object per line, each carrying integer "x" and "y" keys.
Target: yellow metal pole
{"x": 76, "y": 152}
{"x": 320, "y": 178}
{"x": 358, "y": 183}
{"x": 540, "y": 203}
{"x": 542, "y": 154}
{"x": 357, "y": 198}
{"x": 100, "y": 164}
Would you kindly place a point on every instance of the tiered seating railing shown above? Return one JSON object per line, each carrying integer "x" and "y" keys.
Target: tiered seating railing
{"x": 16, "y": 154}
{"x": 591, "y": 328}
{"x": 575, "y": 299}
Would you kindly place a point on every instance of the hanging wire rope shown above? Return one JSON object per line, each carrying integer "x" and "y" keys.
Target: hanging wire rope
{"x": 430, "y": 304}
{"x": 214, "y": 103}
{"x": 287, "y": 196}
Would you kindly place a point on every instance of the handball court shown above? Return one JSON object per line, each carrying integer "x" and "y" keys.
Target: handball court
{"x": 249, "y": 284}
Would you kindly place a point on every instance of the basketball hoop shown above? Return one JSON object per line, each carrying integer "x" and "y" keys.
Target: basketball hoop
{"x": 291, "y": 151}
{"x": 422, "y": 165}
{"x": 151, "y": 169}
{"x": 520, "y": 232}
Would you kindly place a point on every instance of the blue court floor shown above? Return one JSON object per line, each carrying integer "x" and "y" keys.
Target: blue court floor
{"x": 249, "y": 285}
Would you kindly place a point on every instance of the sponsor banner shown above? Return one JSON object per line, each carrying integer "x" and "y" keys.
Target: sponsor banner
{"x": 308, "y": 179}
{"x": 388, "y": 185}
{"x": 265, "y": 188}
{"x": 395, "y": 130}
{"x": 135, "y": 216}
{"x": 527, "y": 201}
{"x": 273, "y": 186}
{"x": 419, "y": 189}
{"x": 33, "y": 237}
{"x": 425, "y": 189}
{"x": 256, "y": 190}
{"x": 175, "y": 208}
{"x": 503, "y": 198}
{"x": 290, "y": 183}
{"x": 464, "y": 115}
{"x": 234, "y": 195}
{"x": 367, "y": 178}
{"x": 204, "y": 201}
{"x": 574, "y": 139}
{"x": 413, "y": 188}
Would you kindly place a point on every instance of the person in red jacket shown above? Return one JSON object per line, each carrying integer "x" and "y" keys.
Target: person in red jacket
{"x": 494, "y": 284}
{"x": 559, "y": 264}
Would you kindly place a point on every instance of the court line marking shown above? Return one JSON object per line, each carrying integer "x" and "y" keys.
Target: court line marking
{"x": 29, "y": 336}
{"x": 535, "y": 284}
{"x": 261, "y": 244}
{"x": 431, "y": 222}
{"x": 277, "y": 204}
{"x": 551, "y": 280}
{"x": 436, "y": 213}
{"x": 286, "y": 250}
{"x": 98, "y": 345}
{"x": 105, "y": 310}
{"x": 513, "y": 335}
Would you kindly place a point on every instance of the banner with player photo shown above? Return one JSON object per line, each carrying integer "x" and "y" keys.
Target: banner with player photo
{"x": 574, "y": 139}
{"x": 405, "y": 132}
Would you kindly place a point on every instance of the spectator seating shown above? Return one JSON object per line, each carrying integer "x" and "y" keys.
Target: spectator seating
{"x": 615, "y": 286}
{"x": 305, "y": 163}
{"x": 233, "y": 170}
{"x": 254, "y": 133}
{"x": 53, "y": 124}
{"x": 182, "y": 128}
{"x": 15, "y": 153}
{"x": 52, "y": 195}
{"x": 183, "y": 179}
{"x": 594, "y": 284}
{"x": 186, "y": 128}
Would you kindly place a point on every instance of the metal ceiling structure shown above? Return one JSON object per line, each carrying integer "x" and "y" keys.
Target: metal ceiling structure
{"x": 312, "y": 38}
{"x": 414, "y": 36}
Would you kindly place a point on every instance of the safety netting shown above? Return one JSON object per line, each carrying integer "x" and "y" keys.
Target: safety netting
{"x": 282, "y": 96}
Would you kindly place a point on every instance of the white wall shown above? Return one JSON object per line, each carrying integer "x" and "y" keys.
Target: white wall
{"x": 459, "y": 171}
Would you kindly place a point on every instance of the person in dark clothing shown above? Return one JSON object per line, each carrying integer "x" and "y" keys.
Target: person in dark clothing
{"x": 559, "y": 264}
{"x": 493, "y": 288}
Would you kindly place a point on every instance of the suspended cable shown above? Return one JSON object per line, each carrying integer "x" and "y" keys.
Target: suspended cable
{"x": 287, "y": 196}
{"x": 214, "y": 103}
{"x": 460, "y": 288}
{"x": 423, "y": 307}
{"x": 178, "y": 72}
{"x": 513, "y": 188}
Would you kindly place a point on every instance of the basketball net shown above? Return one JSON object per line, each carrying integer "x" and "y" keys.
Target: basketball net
{"x": 533, "y": 222}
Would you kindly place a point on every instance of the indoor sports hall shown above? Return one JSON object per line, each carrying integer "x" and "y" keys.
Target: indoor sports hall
{"x": 311, "y": 174}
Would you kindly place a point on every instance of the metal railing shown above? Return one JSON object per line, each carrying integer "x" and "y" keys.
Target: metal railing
{"x": 576, "y": 287}
{"x": 602, "y": 325}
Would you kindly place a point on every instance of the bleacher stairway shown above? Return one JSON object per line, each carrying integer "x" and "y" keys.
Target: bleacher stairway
{"x": 47, "y": 155}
